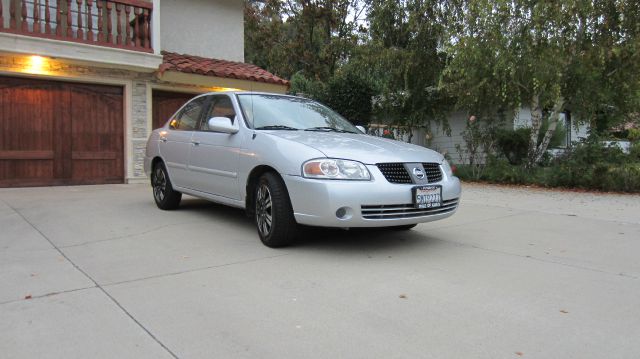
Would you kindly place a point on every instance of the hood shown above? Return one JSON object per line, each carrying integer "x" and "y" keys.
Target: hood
{"x": 364, "y": 148}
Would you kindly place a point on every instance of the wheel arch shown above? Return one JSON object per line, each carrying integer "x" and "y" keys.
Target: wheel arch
{"x": 252, "y": 181}
{"x": 155, "y": 161}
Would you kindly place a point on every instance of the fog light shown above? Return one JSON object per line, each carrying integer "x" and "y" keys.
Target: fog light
{"x": 344, "y": 213}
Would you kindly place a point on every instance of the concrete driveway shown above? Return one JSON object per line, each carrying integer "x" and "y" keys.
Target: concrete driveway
{"x": 100, "y": 272}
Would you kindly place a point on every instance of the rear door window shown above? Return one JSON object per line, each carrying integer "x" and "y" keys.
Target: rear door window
{"x": 187, "y": 119}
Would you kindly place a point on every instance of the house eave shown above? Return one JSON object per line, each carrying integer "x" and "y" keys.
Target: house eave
{"x": 220, "y": 82}
{"x": 98, "y": 55}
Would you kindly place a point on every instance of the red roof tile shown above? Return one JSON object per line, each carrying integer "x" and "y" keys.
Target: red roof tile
{"x": 220, "y": 68}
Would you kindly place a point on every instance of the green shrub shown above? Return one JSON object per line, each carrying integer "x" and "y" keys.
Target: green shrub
{"x": 513, "y": 144}
{"x": 633, "y": 134}
{"x": 589, "y": 165}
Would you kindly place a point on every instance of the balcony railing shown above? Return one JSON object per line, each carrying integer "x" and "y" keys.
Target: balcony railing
{"x": 124, "y": 24}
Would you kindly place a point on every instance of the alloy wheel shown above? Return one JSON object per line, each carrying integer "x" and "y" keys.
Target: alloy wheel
{"x": 264, "y": 212}
{"x": 159, "y": 184}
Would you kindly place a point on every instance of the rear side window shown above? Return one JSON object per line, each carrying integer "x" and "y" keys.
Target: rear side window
{"x": 187, "y": 119}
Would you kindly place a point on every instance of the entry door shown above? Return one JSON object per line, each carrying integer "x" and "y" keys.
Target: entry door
{"x": 59, "y": 133}
{"x": 176, "y": 142}
{"x": 214, "y": 156}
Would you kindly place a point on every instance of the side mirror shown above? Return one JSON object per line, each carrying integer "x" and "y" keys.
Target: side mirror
{"x": 222, "y": 124}
{"x": 361, "y": 129}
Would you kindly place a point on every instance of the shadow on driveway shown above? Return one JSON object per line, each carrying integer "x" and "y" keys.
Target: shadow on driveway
{"x": 326, "y": 239}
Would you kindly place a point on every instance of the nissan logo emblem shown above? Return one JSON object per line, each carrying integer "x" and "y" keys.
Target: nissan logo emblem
{"x": 418, "y": 172}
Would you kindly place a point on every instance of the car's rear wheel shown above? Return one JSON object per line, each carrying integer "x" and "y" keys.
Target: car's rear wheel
{"x": 163, "y": 193}
{"x": 273, "y": 213}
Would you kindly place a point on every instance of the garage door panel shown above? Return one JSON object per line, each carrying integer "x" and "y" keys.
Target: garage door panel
{"x": 86, "y": 171}
{"x": 97, "y": 133}
{"x": 30, "y": 169}
{"x": 28, "y": 117}
{"x": 56, "y": 133}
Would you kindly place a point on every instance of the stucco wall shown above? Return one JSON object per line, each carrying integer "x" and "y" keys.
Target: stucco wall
{"x": 208, "y": 28}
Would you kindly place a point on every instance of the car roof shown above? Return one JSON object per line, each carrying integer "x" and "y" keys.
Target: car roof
{"x": 242, "y": 92}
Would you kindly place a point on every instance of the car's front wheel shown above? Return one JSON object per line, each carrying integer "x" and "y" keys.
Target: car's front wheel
{"x": 163, "y": 193}
{"x": 273, "y": 213}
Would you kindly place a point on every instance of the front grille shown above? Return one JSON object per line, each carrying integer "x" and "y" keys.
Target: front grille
{"x": 398, "y": 211}
{"x": 394, "y": 172}
{"x": 434, "y": 174}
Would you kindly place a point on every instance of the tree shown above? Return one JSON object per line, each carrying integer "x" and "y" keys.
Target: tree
{"x": 402, "y": 56}
{"x": 312, "y": 36}
{"x": 549, "y": 55}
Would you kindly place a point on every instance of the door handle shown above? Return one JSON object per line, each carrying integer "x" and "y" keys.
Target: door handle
{"x": 163, "y": 139}
{"x": 195, "y": 143}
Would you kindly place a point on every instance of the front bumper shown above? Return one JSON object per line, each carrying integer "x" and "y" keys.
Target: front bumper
{"x": 375, "y": 203}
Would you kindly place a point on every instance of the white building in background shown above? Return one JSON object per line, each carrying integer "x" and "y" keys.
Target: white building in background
{"x": 444, "y": 140}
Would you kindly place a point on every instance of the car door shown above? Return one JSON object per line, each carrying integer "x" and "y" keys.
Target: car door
{"x": 213, "y": 160}
{"x": 176, "y": 141}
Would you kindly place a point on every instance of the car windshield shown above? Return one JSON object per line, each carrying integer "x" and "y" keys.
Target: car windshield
{"x": 274, "y": 112}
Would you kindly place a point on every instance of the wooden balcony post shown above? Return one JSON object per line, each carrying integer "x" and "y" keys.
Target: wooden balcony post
{"x": 147, "y": 35}
{"x": 47, "y": 18}
{"x": 23, "y": 20}
{"x": 69, "y": 20}
{"x": 79, "y": 31}
{"x": 100, "y": 19}
{"x": 36, "y": 17}
{"x": 109, "y": 26}
{"x": 90, "y": 20}
{"x": 59, "y": 18}
{"x": 127, "y": 11}
{"x": 119, "y": 24}
{"x": 136, "y": 23}
{"x": 12, "y": 15}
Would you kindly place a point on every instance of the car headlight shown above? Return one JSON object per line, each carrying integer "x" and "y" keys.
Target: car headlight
{"x": 330, "y": 168}
{"x": 447, "y": 168}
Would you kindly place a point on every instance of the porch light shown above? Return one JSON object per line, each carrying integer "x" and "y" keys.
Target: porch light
{"x": 36, "y": 64}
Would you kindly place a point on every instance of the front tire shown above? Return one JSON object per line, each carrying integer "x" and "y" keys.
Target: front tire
{"x": 273, "y": 213}
{"x": 163, "y": 193}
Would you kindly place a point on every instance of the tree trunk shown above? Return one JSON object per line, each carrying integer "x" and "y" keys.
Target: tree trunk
{"x": 536, "y": 123}
{"x": 553, "y": 124}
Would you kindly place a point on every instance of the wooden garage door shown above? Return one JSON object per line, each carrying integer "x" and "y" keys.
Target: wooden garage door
{"x": 58, "y": 133}
{"x": 165, "y": 104}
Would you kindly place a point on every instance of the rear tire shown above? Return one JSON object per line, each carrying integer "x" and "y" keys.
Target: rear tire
{"x": 163, "y": 193}
{"x": 273, "y": 214}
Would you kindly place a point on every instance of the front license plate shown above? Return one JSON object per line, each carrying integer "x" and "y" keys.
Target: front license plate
{"x": 427, "y": 196}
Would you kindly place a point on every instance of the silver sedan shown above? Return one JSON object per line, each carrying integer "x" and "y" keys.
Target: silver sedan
{"x": 289, "y": 160}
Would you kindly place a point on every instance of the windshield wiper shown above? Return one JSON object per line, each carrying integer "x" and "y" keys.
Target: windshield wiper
{"x": 276, "y": 127}
{"x": 327, "y": 129}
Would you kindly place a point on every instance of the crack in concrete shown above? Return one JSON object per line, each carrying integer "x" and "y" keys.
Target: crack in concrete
{"x": 194, "y": 270}
{"x": 547, "y": 212}
{"x": 169, "y": 351}
{"x": 575, "y": 266}
{"x": 131, "y": 235}
{"x": 51, "y": 294}
{"x": 484, "y": 220}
